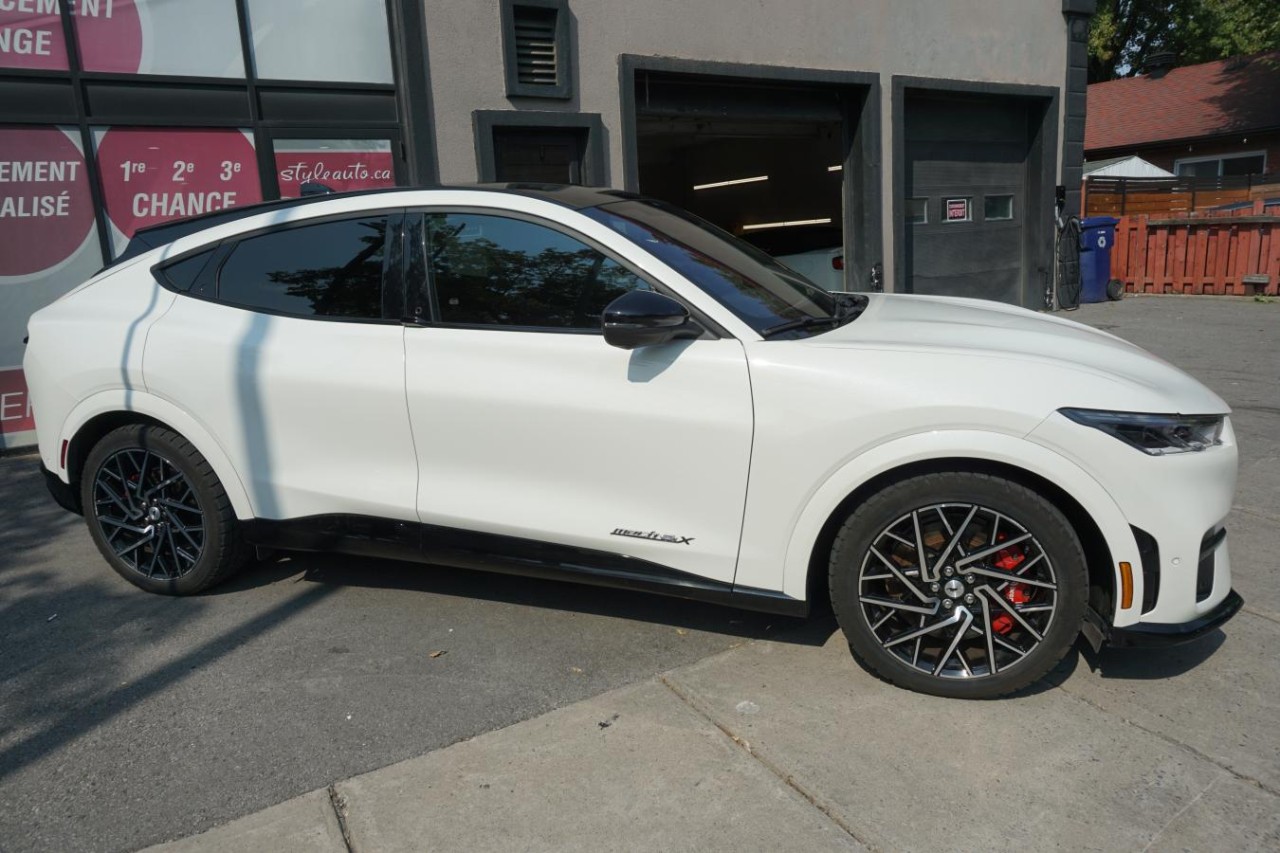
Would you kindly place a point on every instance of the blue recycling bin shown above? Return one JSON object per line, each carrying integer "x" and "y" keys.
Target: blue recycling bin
{"x": 1097, "y": 236}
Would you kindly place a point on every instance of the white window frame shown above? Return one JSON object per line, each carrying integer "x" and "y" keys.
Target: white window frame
{"x": 1220, "y": 158}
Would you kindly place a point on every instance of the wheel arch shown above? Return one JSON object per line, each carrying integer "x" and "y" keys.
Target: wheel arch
{"x": 1092, "y": 513}
{"x": 102, "y": 413}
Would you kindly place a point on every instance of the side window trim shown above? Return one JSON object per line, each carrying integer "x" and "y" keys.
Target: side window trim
{"x": 428, "y": 300}
{"x": 395, "y": 217}
{"x": 420, "y": 309}
{"x": 393, "y": 308}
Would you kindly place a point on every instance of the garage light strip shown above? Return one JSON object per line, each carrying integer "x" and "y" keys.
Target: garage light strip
{"x": 835, "y": 168}
{"x": 731, "y": 183}
{"x": 759, "y": 225}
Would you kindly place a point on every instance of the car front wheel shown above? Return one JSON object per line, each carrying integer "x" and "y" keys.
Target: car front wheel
{"x": 958, "y": 584}
{"x": 158, "y": 513}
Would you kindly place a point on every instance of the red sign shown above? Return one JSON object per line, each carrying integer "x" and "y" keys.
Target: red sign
{"x": 338, "y": 169}
{"x": 109, "y": 33}
{"x": 152, "y": 176}
{"x": 46, "y": 210}
{"x": 957, "y": 210}
{"x": 31, "y": 35}
{"x": 15, "y": 405}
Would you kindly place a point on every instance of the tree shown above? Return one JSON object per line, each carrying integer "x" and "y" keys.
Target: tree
{"x": 1124, "y": 32}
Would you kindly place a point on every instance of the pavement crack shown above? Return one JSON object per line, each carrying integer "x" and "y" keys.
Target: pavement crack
{"x": 1247, "y": 609}
{"x": 1168, "y": 823}
{"x": 339, "y": 804}
{"x": 1172, "y": 741}
{"x": 1257, "y": 513}
{"x": 787, "y": 779}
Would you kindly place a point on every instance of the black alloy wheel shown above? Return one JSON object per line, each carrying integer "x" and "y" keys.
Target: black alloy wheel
{"x": 958, "y": 584}
{"x": 158, "y": 513}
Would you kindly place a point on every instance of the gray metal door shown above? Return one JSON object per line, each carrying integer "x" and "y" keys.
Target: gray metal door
{"x": 966, "y": 197}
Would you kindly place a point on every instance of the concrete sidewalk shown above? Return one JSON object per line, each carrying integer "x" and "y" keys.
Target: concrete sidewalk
{"x": 780, "y": 746}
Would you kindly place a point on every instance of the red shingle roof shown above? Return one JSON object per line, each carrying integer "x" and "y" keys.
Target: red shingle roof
{"x": 1227, "y": 96}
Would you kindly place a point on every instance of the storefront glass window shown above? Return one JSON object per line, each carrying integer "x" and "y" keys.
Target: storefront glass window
{"x": 200, "y": 38}
{"x": 151, "y": 175}
{"x": 319, "y": 40}
{"x": 31, "y": 35}
{"x": 48, "y": 245}
{"x": 339, "y": 164}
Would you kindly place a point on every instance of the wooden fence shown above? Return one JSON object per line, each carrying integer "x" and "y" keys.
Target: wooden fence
{"x": 1179, "y": 196}
{"x": 1222, "y": 255}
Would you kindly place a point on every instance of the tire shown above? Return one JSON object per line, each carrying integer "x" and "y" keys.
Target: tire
{"x": 1115, "y": 290}
{"x": 886, "y": 610}
{"x": 158, "y": 513}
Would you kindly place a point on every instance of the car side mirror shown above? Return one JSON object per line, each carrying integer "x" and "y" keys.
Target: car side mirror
{"x": 642, "y": 318}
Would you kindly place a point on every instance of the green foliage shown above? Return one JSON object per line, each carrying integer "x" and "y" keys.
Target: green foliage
{"x": 1125, "y": 31}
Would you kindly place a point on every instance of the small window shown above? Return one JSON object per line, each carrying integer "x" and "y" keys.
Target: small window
{"x": 536, "y": 48}
{"x": 331, "y": 269}
{"x": 1254, "y": 165}
{"x": 997, "y": 207}
{"x": 495, "y": 271}
{"x": 1230, "y": 165}
{"x": 917, "y": 211}
{"x": 1199, "y": 169}
{"x": 182, "y": 275}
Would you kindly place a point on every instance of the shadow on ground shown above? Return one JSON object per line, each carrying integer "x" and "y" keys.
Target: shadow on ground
{"x": 1153, "y": 664}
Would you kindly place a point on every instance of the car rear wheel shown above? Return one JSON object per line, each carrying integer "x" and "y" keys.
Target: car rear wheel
{"x": 158, "y": 513}
{"x": 958, "y": 584}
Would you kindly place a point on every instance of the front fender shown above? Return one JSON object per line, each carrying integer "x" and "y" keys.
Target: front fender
{"x": 143, "y": 403}
{"x": 963, "y": 444}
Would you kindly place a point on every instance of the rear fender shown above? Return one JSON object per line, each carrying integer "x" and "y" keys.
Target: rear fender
{"x": 143, "y": 403}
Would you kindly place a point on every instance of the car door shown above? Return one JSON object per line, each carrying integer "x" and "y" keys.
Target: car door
{"x": 527, "y": 424}
{"x": 280, "y": 344}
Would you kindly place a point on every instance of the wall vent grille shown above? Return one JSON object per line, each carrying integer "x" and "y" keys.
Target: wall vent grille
{"x": 537, "y": 60}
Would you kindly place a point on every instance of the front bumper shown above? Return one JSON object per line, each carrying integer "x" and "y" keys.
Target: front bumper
{"x": 1177, "y": 505}
{"x": 1158, "y": 635}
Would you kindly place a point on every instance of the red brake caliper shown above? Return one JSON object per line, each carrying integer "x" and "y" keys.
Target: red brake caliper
{"x": 1015, "y": 593}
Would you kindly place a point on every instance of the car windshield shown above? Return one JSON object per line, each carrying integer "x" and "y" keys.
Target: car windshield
{"x": 758, "y": 289}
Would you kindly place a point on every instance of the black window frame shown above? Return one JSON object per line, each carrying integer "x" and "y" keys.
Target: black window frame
{"x": 421, "y": 301}
{"x": 565, "y": 49}
{"x": 392, "y": 296}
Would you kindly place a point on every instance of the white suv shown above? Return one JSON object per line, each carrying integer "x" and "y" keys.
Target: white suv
{"x": 587, "y": 385}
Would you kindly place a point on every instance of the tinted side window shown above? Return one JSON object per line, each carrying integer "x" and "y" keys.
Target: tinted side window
{"x": 182, "y": 275}
{"x": 331, "y": 269}
{"x": 495, "y": 271}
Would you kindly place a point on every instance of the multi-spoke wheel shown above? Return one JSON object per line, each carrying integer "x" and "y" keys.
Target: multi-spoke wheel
{"x": 157, "y": 511}
{"x": 958, "y": 584}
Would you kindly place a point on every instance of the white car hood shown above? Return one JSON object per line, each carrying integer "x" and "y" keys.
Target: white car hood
{"x": 950, "y": 326}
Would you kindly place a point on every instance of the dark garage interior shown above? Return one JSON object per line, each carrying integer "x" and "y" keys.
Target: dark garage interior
{"x": 763, "y": 161}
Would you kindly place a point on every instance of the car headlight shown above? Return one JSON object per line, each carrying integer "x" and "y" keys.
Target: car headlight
{"x": 1156, "y": 435}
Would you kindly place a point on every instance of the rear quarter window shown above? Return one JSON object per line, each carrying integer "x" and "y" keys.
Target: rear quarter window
{"x": 328, "y": 270}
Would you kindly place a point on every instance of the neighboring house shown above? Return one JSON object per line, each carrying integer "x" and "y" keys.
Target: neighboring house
{"x": 1215, "y": 119}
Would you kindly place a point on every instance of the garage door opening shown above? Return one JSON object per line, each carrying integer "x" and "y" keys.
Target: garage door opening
{"x": 766, "y": 162}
